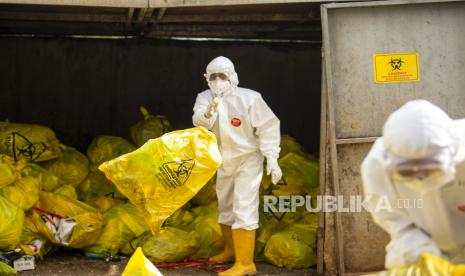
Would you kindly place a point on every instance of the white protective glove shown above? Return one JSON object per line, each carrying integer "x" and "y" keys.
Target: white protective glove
{"x": 211, "y": 109}
{"x": 273, "y": 168}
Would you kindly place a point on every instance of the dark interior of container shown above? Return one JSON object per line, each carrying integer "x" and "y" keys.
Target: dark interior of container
{"x": 83, "y": 87}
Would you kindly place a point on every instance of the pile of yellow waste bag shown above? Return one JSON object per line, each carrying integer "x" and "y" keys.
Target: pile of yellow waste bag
{"x": 156, "y": 192}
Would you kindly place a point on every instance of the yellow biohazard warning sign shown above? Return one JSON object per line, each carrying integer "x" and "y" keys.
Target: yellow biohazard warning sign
{"x": 396, "y": 67}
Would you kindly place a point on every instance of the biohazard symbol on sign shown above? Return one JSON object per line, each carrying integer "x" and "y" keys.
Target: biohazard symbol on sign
{"x": 25, "y": 149}
{"x": 179, "y": 171}
{"x": 396, "y": 63}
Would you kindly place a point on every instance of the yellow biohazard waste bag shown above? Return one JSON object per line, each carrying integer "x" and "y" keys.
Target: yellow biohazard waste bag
{"x": 6, "y": 269}
{"x": 71, "y": 167}
{"x": 11, "y": 224}
{"x": 122, "y": 223}
{"x": 96, "y": 185}
{"x": 103, "y": 203}
{"x": 181, "y": 219}
{"x": 206, "y": 226}
{"x": 289, "y": 144}
{"x": 150, "y": 127}
{"x": 65, "y": 221}
{"x": 33, "y": 143}
{"x": 30, "y": 178}
{"x": 300, "y": 175}
{"x": 7, "y": 170}
{"x": 207, "y": 194}
{"x": 32, "y": 242}
{"x": 104, "y": 148}
{"x": 294, "y": 247}
{"x": 168, "y": 245}
{"x": 139, "y": 265}
{"x": 428, "y": 265}
{"x": 66, "y": 190}
{"x": 165, "y": 173}
{"x": 48, "y": 181}
{"x": 272, "y": 221}
{"x": 23, "y": 194}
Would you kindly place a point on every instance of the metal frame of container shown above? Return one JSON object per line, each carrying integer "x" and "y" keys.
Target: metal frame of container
{"x": 348, "y": 130}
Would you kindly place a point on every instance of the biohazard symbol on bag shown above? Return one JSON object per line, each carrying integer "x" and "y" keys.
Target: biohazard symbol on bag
{"x": 282, "y": 182}
{"x": 28, "y": 150}
{"x": 396, "y": 63}
{"x": 176, "y": 173}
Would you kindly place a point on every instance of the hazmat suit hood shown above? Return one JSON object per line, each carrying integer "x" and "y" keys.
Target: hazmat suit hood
{"x": 419, "y": 130}
{"x": 222, "y": 65}
{"x": 422, "y": 139}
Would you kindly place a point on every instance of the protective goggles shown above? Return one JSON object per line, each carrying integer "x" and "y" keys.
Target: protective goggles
{"x": 436, "y": 166}
{"x": 214, "y": 76}
{"x": 417, "y": 171}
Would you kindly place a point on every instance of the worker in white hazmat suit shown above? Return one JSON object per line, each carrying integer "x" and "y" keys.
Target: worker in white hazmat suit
{"x": 247, "y": 131}
{"x": 416, "y": 174}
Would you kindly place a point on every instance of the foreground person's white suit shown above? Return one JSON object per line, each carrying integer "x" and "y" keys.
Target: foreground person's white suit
{"x": 247, "y": 131}
{"x": 418, "y": 165}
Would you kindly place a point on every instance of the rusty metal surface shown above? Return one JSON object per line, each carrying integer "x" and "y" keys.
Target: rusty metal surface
{"x": 364, "y": 241}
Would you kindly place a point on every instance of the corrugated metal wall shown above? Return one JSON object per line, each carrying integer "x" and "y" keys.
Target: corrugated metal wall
{"x": 87, "y": 87}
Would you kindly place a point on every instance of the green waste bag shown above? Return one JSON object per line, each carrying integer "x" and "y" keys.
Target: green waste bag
{"x": 97, "y": 185}
{"x": 150, "y": 127}
{"x": 71, "y": 167}
{"x": 300, "y": 175}
{"x": 165, "y": 173}
{"x": 294, "y": 247}
{"x": 122, "y": 223}
{"x": 6, "y": 269}
{"x": 11, "y": 226}
{"x": 104, "y": 148}
{"x": 207, "y": 194}
{"x": 27, "y": 142}
{"x": 169, "y": 245}
{"x": 66, "y": 190}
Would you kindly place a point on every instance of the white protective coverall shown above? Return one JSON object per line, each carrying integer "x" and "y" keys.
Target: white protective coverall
{"x": 425, "y": 216}
{"x": 247, "y": 131}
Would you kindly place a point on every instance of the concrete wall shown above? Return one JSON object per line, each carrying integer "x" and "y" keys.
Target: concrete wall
{"x": 82, "y": 88}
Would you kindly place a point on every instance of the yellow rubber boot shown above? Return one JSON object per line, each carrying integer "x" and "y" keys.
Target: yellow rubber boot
{"x": 244, "y": 245}
{"x": 228, "y": 253}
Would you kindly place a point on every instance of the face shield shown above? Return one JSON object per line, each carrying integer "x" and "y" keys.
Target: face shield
{"x": 422, "y": 175}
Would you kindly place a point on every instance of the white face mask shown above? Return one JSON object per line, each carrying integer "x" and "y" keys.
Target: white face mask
{"x": 219, "y": 87}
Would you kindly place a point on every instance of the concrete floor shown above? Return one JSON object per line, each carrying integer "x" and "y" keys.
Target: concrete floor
{"x": 74, "y": 264}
